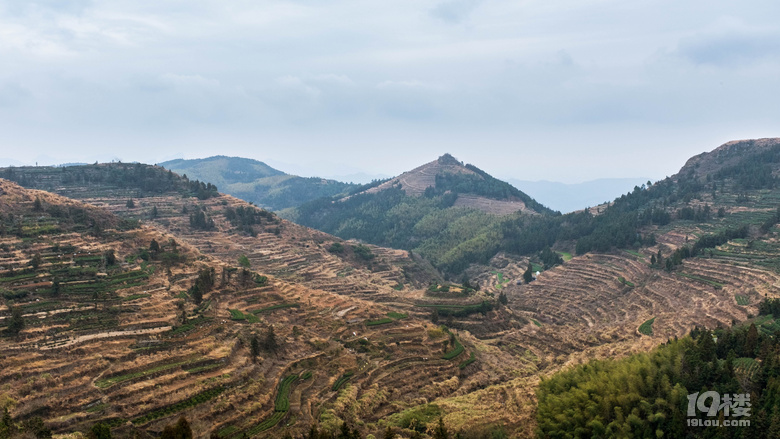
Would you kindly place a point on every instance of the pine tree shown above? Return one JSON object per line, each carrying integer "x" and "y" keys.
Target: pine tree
{"x": 270, "y": 343}
{"x": 16, "y": 322}
{"x": 100, "y": 431}
{"x": 440, "y": 432}
{"x": 130, "y": 203}
{"x": 254, "y": 346}
{"x": 528, "y": 275}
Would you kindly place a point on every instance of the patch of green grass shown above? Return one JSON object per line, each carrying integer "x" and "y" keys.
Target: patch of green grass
{"x": 702, "y": 279}
{"x": 636, "y": 253}
{"x": 96, "y": 408}
{"x": 741, "y": 300}
{"x": 623, "y": 281}
{"x": 236, "y": 315}
{"x": 397, "y": 315}
{"x": 566, "y": 256}
{"x": 383, "y": 321}
{"x": 536, "y": 323}
{"x": 646, "y": 328}
{"x": 501, "y": 280}
{"x": 251, "y": 318}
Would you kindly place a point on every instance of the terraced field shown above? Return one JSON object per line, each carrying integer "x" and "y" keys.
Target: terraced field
{"x": 126, "y": 344}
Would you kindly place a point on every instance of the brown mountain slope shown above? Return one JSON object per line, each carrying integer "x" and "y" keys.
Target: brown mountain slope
{"x": 590, "y": 307}
{"x": 415, "y": 182}
{"x": 728, "y": 154}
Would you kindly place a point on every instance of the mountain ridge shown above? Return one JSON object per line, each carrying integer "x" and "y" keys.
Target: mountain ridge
{"x": 257, "y": 182}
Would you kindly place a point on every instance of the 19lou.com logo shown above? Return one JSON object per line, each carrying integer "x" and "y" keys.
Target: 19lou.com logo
{"x": 735, "y": 408}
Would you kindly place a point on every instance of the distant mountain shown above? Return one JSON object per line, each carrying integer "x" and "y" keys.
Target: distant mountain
{"x": 448, "y": 211}
{"x": 257, "y": 182}
{"x": 570, "y": 197}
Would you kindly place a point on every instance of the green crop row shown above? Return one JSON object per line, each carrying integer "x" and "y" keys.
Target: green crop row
{"x": 236, "y": 315}
{"x": 455, "y": 352}
{"x": 108, "y": 382}
{"x": 379, "y": 322}
{"x": 340, "y": 382}
{"x": 472, "y": 358}
{"x": 282, "y": 397}
{"x": 647, "y": 327}
{"x": 266, "y": 424}
{"x": 200, "y": 398}
{"x": 397, "y": 315}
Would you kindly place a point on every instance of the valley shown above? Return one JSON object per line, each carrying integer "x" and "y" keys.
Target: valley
{"x": 146, "y": 296}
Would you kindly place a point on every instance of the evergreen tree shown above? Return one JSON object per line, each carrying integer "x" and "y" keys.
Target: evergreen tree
{"x": 270, "y": 343}
{"x": 528, "y": 275}
{"x": 16, "y": 321}
{"x": 100, "y": 431}
{"x": 130, "y": 204}
{"x": 6, "y": 425}
{"x": 55, "y": 287}
{"x": 254, "y": 347}
{"x": 440, "y": 431}
{"x": 181, "y": 430}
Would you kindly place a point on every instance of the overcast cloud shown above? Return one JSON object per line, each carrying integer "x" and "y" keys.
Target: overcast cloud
{"x": 566, "y": 91}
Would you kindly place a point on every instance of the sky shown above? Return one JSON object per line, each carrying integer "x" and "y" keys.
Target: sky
{"x": 564, "y": 90}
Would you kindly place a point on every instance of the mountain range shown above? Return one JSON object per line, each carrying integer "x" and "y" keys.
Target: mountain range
{"x": 140, "y": 301}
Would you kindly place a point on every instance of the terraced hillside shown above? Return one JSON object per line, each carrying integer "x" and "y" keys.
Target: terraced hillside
{"x": 353, "y": 323}
{"x": 131, "y": 327}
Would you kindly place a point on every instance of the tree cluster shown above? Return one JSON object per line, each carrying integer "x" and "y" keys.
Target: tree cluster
{"x": 646, "y": 394}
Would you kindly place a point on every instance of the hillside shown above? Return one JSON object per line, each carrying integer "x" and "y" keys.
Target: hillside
{"x": 448, "y": 212}
{"x": 254, "y": 181}
{"x": 698, "y": 249}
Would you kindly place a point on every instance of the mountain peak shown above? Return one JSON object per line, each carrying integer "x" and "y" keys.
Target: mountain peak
{"x": 448, "y": 159}
{"x": 727, "y": 155}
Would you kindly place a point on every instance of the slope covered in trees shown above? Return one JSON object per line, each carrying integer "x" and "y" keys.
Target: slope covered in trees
{"x": 255, "y": 181}
{"x": 647, "y": 394}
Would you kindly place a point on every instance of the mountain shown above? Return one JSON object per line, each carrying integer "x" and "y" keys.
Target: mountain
{"x": 447, "y": 211}
{"x": 257, "y": 182}
{"x": 296, "y": 328}
{"x": 565, "y": 197}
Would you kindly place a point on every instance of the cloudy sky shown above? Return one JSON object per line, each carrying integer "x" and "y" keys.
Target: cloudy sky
{"x": 567, "y": 90}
